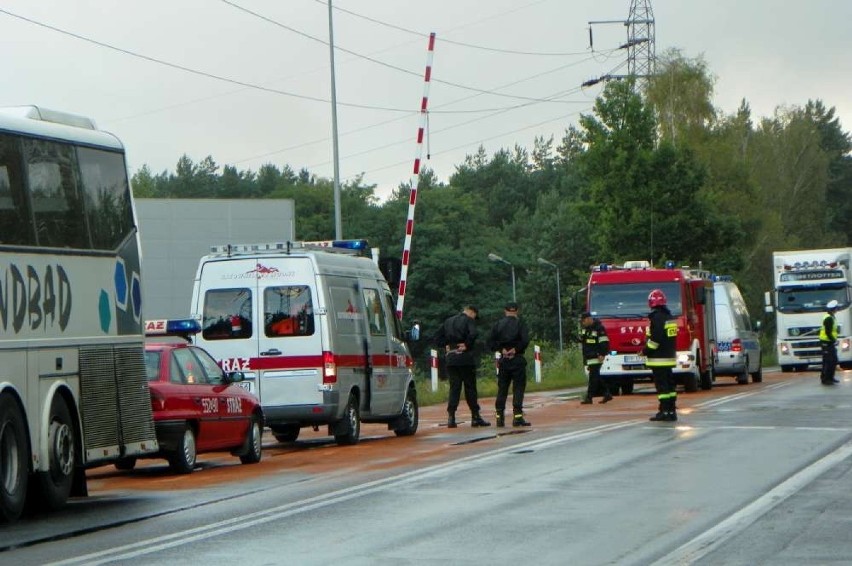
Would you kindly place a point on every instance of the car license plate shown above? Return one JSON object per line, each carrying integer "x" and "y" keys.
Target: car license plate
{"x": 634, "y": 359}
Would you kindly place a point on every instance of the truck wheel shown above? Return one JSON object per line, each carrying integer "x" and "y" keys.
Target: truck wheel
{"x": 14, "y": 460}
{"x": 350, "y": 423}
{"x": 410, "y": 417}
{"x": 183, "y": 461}
{"x": 690, "y": 383}
{"x": 253, "y": 444}
{"x": 62, "y": 451}
{"x": 708, "y": 377}
{"x": 286, "y": 433}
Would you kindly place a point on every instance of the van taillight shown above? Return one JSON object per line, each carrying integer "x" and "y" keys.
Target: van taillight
{"x": 737, "y": 345}
{"x": 329, "y": 371}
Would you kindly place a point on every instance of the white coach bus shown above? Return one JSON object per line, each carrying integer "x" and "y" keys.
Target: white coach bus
{"x": 73, "y": 391}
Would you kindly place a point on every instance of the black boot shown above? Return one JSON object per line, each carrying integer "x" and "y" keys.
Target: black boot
{"x": 477, "y": 420}
{"x": 518, "y": 420}
{"x": 661, "y": 412}
{"x": 501, "y": 422}
{"x": 451, "y": 420}
{"x": 607, "y": 397}
{"x": 671, "y": 414}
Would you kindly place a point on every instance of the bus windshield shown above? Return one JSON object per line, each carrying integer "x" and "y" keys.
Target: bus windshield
{"x": 630, "y": 300}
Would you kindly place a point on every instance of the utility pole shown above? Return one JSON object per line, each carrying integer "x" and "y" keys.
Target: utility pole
{"x": 640, "y": 44}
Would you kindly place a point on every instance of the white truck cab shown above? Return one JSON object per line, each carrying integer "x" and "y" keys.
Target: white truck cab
{"x": 312, "y": 327}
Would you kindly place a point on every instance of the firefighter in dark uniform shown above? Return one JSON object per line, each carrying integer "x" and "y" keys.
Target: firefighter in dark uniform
{"x": 828, "y": 344}
{"x": 510, "y": 338}
{"x": 660, "y": 350}
{"x": 457, "y": 336}
{"x": 595, "y": 348}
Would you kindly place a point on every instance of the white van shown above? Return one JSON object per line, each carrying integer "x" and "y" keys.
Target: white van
{"x": 314, "y": 331}
{"x": 737, "y": 345}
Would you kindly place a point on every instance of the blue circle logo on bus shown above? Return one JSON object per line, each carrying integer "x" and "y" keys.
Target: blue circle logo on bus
{"x": 120, "y": 284}
{"x": 104, "y": 311}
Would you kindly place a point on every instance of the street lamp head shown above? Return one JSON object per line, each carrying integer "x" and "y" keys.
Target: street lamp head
{"x": 543, "y": 261}
{"x": 495, "y": 257}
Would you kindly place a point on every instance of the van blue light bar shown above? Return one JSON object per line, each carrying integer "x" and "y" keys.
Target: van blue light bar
{"x": 357, "y": 245}
{"x": 172, "y": 327}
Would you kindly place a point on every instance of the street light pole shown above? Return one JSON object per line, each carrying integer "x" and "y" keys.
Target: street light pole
{"x": 543, "y": 261}
{"x": 497, "y": 258}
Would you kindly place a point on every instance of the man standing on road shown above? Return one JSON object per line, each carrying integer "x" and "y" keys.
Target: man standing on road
{"x": 595, "y": 348}
{"x": 661, "y": 354}
{"x": 457, "y": 336}
{"x": 510, "y": 338}
{"x": 828, "y": 344}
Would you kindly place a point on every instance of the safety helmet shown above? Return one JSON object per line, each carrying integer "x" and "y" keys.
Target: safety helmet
{"x": 831, "y": 305}
{"x": 656, "y": 298}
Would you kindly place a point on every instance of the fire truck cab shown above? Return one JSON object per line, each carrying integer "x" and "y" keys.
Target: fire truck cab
{"x": 618, "y": 297}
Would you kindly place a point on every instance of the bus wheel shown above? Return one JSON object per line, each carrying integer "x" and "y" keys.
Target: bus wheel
{"x": 13, "y": 460}
{"x": 183, "y": 461}
{"x": 61, "y": 447}
{"x": 350, "y": 425}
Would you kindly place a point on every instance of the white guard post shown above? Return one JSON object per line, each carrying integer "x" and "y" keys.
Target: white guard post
{"x": 434, "y": 354}
{"x": 538, "y": 364}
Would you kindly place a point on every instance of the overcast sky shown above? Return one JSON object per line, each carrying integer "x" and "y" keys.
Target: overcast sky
{"x": 248, "y": 82}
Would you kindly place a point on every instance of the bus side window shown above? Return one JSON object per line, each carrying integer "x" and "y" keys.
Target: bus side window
{"x": 14, "y": 211}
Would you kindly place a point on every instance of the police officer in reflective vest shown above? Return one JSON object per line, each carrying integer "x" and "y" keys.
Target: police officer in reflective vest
{"x": 828, "y": 344}
{"x": 457, "y": 336}
{"x": 510, "y": 338}
{"x": 595, "y": 348}
{"x": 660, "y": 350}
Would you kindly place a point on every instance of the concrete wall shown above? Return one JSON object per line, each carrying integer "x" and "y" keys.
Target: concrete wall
{"x": 175, "y": 233}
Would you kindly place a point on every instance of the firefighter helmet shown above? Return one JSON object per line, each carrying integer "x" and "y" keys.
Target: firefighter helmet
{"x": 656, "y": 298}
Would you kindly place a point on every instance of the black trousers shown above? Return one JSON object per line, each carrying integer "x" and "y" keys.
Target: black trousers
{"x": 829, "y": 361}
{"x": 462, "y": 376}
{"x": 664, "y": 382}
{"x": 511, "y": 371}
{"x": 597, "y": 385}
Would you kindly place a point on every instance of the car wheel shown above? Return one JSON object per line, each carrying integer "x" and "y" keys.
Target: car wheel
{"x": 757, "y": 376}
{"x": 62, "y": 452}
{"x": 125, "y": 464}
{"x": 786, "y": 369}
{"x": 286, "y": 433}
{"x": 742, "y": 377}
{"x": 253, "y": 443}
{"x": 410, "y": 417}
{"x": 13, "y": 460}
{"x": 627, "y": 386}
{"x": 183, "y": 461}
{"x": 350, "y": 423}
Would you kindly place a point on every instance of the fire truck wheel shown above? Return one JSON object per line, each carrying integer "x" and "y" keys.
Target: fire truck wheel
{"x": 254, "y": 446}
{"x": 350, "y": 423}
{"x": 62, "y": 452}
{"x": 13, "y": 460}
{"x": 286, "y": 433}
{"x": 183, "y": 461}
{"x": 690, "y": 383}
{"x": 410, "y": 417}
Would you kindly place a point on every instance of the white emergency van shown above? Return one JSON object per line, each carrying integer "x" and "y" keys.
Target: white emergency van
{"x": 313, "y": 328}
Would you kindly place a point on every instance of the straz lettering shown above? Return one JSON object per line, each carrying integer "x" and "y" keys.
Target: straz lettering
{"x": 235, "y": 364}
{"x": 235, "y": 405}
{"x": 209, "y": 405}
{"x": 37, "y": 300}
{"x": 633, "y": 329}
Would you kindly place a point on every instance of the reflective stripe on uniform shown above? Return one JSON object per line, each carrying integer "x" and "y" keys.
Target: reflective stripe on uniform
{"x": 661, "y": 362}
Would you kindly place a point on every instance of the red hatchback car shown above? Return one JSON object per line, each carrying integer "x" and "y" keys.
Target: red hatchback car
{"x": 197, "y": 406}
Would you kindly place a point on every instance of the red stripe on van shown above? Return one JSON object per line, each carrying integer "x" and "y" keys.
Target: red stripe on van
{"x": 299, "y": 362}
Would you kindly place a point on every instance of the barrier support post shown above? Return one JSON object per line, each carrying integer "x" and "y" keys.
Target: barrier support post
{"x": 538, "y": 364}
{"x": 434, "y": 354}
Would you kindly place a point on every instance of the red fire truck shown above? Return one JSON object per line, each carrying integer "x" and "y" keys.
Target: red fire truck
{"x": 618, "y": 297}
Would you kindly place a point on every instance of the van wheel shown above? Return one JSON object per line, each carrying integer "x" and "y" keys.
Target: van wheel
{"x": 757, "y": 376}
{"x": 125, "y": 464}
{"x": 707, "y": 377}
{"x": 286, "y": 433}
{"x": 350, "y": 424}
{"x": 253, "y": 444}
{"x": 13, "y": 460}
{"x": 742, "y": 378}
{"x": 62, "y": 451}
{"x": 410, "y": 417}
{"x": 183, "y": 461}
